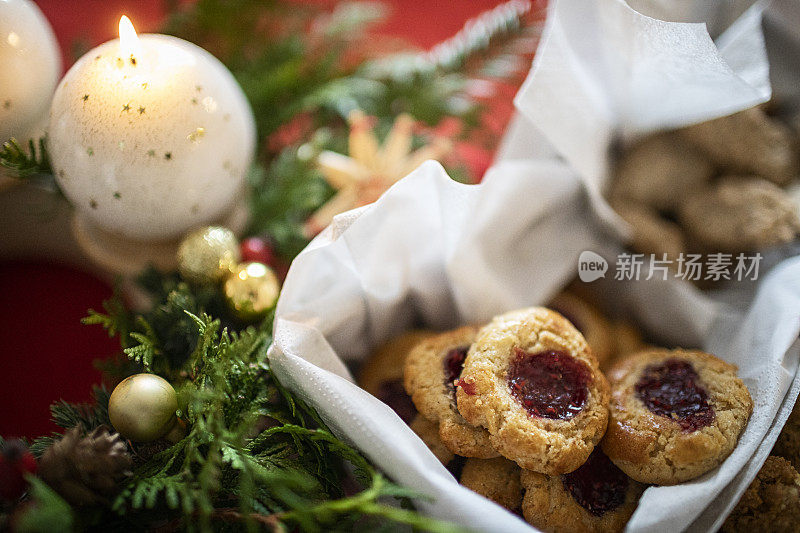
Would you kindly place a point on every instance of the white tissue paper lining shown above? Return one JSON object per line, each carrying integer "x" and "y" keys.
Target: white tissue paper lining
{"x": 443, "y": 254}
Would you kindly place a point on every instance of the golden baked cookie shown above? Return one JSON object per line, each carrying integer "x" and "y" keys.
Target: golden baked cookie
{"x": 431, "y": 370}
{"x": 748, "y": 142}
{"x": 597, "y": 497}
{"x": 382, "y": 374}
{"x": 627, "y": 340}
{"x": 650, "y": 232}
{"x": 788, "y": 444}
{"x": 531, "y": 380}
{"x": 587, "y": 319}
{"x": 739, "y": 214}
{"x": 428, "y": 432}
{"x": 675, "y": 414}
{"x": 771, "y": 504}
{"x": 659, "y": 169}
{"x": 496, "y": 479}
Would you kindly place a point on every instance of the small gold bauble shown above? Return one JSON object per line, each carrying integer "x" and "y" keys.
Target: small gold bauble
{"x": 207, "y": 255}
{"x": 251, "y": 290}
{"x": 142, "y": 407}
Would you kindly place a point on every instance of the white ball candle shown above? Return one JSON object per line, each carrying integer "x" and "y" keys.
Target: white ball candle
{"x": 150, "y": 136}
{"x": 30, "y": 63}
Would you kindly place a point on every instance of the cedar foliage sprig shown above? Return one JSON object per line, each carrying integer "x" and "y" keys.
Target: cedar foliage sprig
{"x": 254, "y": 455}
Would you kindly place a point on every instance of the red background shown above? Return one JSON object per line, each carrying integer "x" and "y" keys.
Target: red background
{"x": 46, "y": 353}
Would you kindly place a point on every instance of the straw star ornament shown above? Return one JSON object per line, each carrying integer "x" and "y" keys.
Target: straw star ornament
{"x": 371, "y": 168}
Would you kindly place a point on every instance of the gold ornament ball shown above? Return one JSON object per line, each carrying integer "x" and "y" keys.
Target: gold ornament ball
{"x": 142, "y": 407}
{"x": 251, "y": 290}
{"x": 207, "y": 255}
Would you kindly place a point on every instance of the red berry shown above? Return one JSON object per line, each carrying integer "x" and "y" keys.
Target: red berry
{"x": 258, "y": 250}
{"x": 15, "y": 462}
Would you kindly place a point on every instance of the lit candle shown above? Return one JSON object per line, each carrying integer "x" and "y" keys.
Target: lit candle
{"x": 149, "y": 137}
{"x": 30, "y": 63}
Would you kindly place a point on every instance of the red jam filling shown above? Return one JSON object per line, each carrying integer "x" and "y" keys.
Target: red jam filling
{"x": 454, "y": 365}
{"x": 550, "y": 384}
{"x": 468, "y": 388}
{"x": 598, "y": 485}
{"x": 672, "y": 389}
{"x": 394, "y": 395}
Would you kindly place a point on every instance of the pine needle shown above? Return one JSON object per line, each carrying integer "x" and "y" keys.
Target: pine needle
{"x": 25, "y": 164}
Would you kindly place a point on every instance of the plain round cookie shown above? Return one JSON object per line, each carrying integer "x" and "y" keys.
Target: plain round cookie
{"x": 771, "y": 504}
{"x": 551, "y": 502}
{"x": 669, "y": 449}
{"x": 748, "y": 142}
{"x": 496, "y": 479}
{"x": 382, "y": 373}
{"x": 594, "y": 327}
{"x": 739, "y": 214}
{"x": 433, "y": 392}
{"x": 651, "y": 233}
{"x": 658, "y": 170}
{"x": 549, "y": 445}
{"x": 428, "y": 432}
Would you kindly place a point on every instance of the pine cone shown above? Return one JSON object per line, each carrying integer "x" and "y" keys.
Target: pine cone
{"x": 86, "y": 470}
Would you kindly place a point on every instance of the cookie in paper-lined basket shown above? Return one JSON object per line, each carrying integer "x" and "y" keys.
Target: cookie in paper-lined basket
{"x": 771, "y": 504}
{"x": 428, "y": 432}
{"x": 587, "y": 319}
{"x": 382, "y": 374}
{"x": 496, "y": 479}
{"x": 597, "y": 497}
{"x": 788, "y": 444}
{"x": 739, "y": 213}
{"x": 431, "y": 370}
{"x": 530, "y": 378}
{"x": 675, "y": 414}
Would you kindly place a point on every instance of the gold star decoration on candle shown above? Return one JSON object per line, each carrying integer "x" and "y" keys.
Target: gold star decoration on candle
{"x": 371, "y": 168}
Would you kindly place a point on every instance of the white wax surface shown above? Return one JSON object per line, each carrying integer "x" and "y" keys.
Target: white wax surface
{"x": 30, "y": 63}
{"x": 151, "y": 144}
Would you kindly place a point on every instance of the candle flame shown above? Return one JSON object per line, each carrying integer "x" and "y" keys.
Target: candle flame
{"x": 128, "y": 40}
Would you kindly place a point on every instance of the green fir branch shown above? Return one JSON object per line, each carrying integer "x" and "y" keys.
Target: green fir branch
{"x": 143, "y": 353}
{"x": 25, "y": 164}
{"x": 287, "y": 474}
{"x": 366, "y": 504}
{"x": 254, "y": 455}
{"x": 284, "y": 195}
{"x": 87, "y": 415}
{"x": 116, "y": 320}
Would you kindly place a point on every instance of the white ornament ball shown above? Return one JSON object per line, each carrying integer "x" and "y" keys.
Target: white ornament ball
{"x": 30, "y": 64}
{"x": 151, "y": 138}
